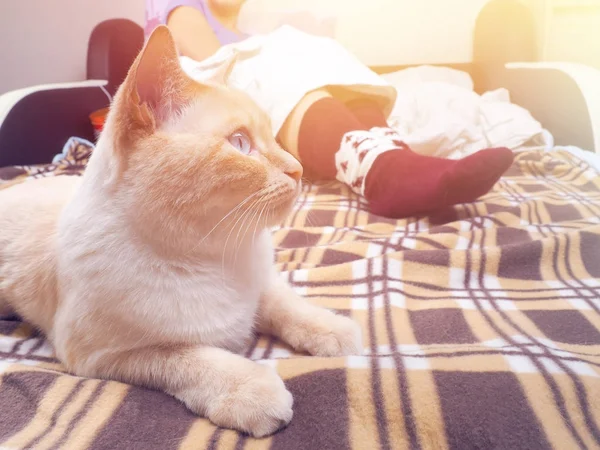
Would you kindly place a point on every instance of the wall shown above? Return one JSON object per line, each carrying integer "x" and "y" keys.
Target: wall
{"x": 390, "y": 32}
{"x": 42, "y": 42}
{"x": 568, "y": 30}
{"x": 573, "y": 32}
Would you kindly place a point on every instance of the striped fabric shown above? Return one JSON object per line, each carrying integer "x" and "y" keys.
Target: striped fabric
{"x": 481, "y": 325}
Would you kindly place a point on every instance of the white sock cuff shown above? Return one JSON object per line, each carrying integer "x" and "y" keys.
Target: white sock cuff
{"x": 358, "y": 150}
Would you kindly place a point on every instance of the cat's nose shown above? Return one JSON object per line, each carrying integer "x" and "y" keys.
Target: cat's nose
{"x": 294, "y": 171}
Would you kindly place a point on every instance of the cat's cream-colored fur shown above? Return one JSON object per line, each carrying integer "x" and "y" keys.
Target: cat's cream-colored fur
{"x": 156, "y": 266}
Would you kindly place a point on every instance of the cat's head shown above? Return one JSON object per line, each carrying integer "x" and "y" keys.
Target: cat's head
{"x": 189, "y": 154}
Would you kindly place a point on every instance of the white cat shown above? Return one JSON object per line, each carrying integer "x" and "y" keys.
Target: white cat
{"x": 156, "y": 266}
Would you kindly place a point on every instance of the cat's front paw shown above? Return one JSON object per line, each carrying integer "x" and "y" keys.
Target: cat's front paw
{"x": 326, "y": 334}
{"x": 259, "y": 405}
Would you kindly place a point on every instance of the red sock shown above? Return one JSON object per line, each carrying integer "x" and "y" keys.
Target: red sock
{"x": 320, "y": 135}
{"x": 401, "y": 183}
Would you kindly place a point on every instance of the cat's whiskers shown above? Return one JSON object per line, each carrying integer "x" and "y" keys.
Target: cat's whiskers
{"x": 234, "y": 210}
{"x": 237, "y": 240}
{"x": 245, "y": 213}
{"x": 267, "y": 193}
{"x": 274, "y": 190}
{"x": 269, "y": 212}
{"x": 265, "y": 205}
{"x": 244, "y": 216}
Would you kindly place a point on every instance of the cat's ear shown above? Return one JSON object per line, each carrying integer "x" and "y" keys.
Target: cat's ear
{"x": 156, "y": 82}
{"x": 222, "y": 74}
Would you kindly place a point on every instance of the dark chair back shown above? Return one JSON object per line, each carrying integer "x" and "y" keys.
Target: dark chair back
{"x": 112, "y": 47}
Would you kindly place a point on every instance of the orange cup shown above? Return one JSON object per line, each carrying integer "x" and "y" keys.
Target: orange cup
{"x": 98, "y": 118}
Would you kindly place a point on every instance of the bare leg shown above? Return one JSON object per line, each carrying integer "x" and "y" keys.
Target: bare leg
{"x": 229, "y": 390}
{"x": 304, "y": 326}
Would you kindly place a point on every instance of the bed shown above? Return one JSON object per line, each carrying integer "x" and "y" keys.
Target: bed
{"x": 481, "y": 326}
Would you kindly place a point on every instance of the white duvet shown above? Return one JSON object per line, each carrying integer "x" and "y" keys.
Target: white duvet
{"x": 437, "y": 113}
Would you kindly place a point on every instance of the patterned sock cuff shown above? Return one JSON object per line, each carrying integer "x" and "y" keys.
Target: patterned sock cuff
{"x": 356, "y": 155}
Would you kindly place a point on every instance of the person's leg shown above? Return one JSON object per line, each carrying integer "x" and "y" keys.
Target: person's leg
{"x": 368, "y": 112}
{"x": 288, "y": 134}
{"x": 331, "y": 140}
{"x": 312, "y": 133}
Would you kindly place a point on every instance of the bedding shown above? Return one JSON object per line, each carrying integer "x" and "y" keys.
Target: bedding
{"x": 481, "y": 327}
{"x": 437, "y": 113}
{"x": 278, "y": 69}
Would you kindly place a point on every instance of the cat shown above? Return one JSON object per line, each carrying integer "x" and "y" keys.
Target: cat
{"x": 156, "y": 266}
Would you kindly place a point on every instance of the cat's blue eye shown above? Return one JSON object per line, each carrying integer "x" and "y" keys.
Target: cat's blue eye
{"x": 241, "y": 141}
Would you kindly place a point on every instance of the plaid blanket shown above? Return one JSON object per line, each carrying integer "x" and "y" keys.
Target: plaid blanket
{"x": 481, "y": 323}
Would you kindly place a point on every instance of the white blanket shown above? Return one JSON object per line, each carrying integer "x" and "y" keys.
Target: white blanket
{"x": 437, "y": 113}
{"x": 279, "y": 68}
